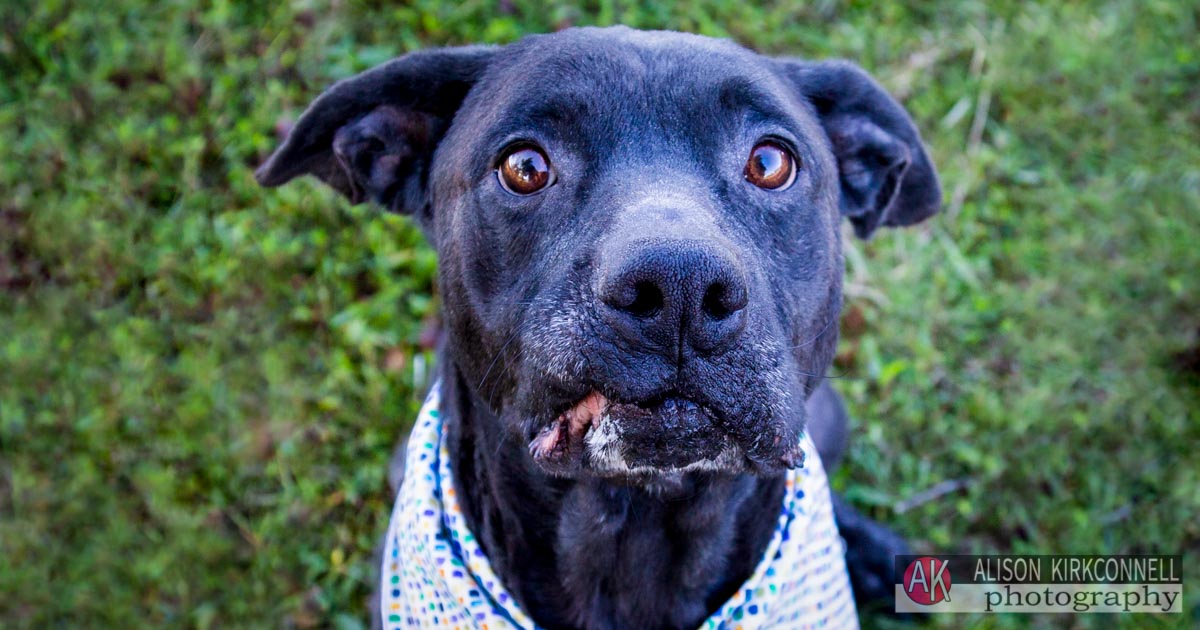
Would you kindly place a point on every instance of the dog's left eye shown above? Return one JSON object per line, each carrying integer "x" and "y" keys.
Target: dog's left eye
{"x": 771, "y": 166}
{"x": 524, "y": 170}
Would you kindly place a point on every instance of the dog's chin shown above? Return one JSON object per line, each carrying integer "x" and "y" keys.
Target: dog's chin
{"x": 652, "y": 442}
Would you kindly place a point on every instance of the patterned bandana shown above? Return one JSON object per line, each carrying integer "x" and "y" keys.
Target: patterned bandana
{"x": 435, "y": 574}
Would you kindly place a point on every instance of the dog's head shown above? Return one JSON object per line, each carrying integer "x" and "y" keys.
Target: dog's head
{"x": 638, "y": 232}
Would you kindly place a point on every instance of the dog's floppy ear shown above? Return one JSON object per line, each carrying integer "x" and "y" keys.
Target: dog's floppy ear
{"x": 371, "y": 136}
{"x": 886, "y": 176}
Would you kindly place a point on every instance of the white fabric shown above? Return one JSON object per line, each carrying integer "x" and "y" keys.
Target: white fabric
{"x": 435, "y": 574}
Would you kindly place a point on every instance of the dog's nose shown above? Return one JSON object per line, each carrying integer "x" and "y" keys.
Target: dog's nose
{"x": 677, "y": 293}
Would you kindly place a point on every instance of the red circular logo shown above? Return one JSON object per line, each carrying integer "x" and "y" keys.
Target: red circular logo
{"x": 927, "y": 581}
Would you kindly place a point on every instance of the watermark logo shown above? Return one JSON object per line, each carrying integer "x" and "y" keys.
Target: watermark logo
{"x": 1039, "y": 584}
{"x": 927, "y": 581}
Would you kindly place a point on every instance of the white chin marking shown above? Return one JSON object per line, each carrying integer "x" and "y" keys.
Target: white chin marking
{"x": 603, "y": 447}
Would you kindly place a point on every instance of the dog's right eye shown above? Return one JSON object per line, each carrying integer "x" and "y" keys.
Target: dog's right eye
{"x": 525, "y": 170}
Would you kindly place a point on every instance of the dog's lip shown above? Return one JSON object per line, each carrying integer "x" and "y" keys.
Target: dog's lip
{"x": 576, "y": 421}
{"x": 555, "y": 439}
{"x": 558, "y": 445}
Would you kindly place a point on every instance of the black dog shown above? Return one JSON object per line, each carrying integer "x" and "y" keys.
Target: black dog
{"x": 641, "y": 276}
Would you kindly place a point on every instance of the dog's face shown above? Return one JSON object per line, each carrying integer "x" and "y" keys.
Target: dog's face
{"x": 638, "y": 232}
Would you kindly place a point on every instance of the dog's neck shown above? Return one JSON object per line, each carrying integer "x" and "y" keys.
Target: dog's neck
{"x": 594, "y": 554}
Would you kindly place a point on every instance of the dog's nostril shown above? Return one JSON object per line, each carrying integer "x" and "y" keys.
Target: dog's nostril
{"x": 647, "y": 300}
{"x": 720, "y": 301}
{"x": 712, "y": 302}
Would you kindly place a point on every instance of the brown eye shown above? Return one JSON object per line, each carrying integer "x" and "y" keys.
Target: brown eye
{"x": 770, "y": 166}
{"x": 524, "y": 170}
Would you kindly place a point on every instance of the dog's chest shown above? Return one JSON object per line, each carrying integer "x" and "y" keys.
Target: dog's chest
{"x": 436, "y": 573}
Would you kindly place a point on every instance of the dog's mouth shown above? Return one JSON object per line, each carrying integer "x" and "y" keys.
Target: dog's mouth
{"x": 668, "y": 433}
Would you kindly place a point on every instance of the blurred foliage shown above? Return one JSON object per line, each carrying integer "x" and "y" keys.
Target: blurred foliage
{"x": 201, "y": 381}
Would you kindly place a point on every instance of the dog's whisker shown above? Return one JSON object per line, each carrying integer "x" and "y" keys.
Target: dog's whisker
{"x": 496, "y": 358}
{"x": 830, "y": 376}
{"x": 516, "y": 359}
{"x": 823, "y": 330}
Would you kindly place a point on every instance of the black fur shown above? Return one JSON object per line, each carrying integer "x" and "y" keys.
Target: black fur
{"x": 648, "y": 134}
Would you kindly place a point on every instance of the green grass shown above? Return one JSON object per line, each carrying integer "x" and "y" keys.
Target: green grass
{"x": 201, "y": 381}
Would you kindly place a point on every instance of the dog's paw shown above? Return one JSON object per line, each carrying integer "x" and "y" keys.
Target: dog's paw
{"x": 871, "y": 551}
{"x": 870, "y": 558}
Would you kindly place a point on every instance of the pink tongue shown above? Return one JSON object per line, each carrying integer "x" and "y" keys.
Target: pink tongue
{"x": 585, "y": 412}
{"x": 571, "y": 424}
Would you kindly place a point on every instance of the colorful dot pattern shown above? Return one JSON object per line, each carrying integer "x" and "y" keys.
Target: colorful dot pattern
{"x": 435, "y": 574}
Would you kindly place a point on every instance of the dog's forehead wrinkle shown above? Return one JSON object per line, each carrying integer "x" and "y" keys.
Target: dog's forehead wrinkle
{"x": 585, "y": 46}
{"x": 627, "y": 83}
